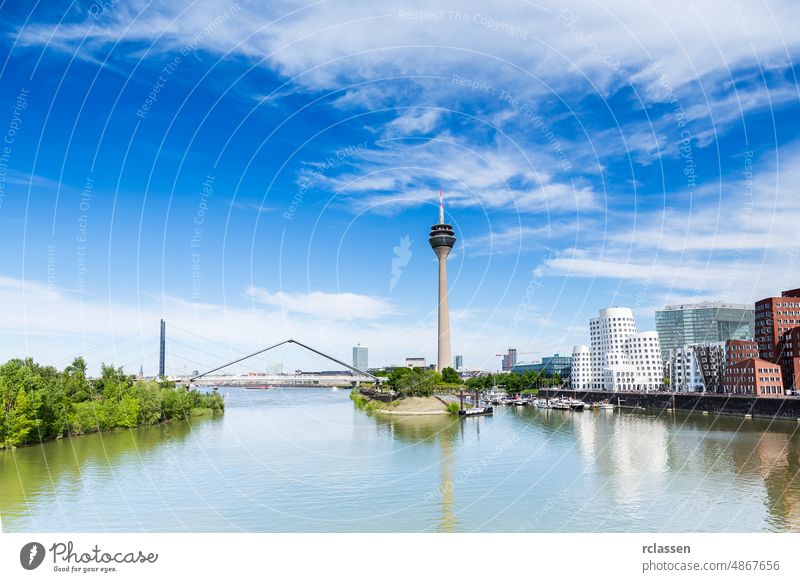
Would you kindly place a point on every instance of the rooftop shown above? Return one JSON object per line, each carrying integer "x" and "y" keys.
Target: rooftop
{"x": 707, "y": 305}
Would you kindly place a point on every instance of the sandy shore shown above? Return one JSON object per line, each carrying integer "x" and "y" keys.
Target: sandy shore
{"x": 411, "y": 406}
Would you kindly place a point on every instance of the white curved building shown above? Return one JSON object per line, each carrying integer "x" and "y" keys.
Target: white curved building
{"x": 620, "y": 357}
{"x": 581, "y": 375}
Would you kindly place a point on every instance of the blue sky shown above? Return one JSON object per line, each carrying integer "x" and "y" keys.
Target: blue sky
{"x": 251, "y": 171}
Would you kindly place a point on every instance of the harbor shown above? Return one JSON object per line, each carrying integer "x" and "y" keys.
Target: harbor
{"x": 306, "y": 459}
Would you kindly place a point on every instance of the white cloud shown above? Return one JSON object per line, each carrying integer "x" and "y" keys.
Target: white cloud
{"x": 328, "y": 43}
{"x": 738, "y": 242}
{"x": 526, "y": 238}
{"x": 414, "y": 122}
{"x": 324, "y": 305}
{"x": 398, "y": 174}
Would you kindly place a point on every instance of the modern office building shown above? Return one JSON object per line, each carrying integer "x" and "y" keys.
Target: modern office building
{"x": 442, "y": 238}
{"x": 702, "y": 367}
{"x": 551, "y": 365}
{"x": 699, "y": 323}
{"x": 777, "y": 321}
{"x": 458, "y": 362}
{"x": 581, "y": 368}
{"x": 620, "y": 357}
{"x": 360, "y": 357}
{"x": 685, "y": 374}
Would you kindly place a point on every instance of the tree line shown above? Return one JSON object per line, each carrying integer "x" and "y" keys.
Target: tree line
{"x": 515, "y": 383}
{"x": 41, "y": 403}
{"x": 424, "y": 382}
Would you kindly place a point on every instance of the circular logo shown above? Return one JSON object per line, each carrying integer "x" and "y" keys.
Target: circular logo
{"x": 31, "y": 555}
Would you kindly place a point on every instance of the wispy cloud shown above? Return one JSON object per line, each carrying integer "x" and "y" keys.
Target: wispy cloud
{"x": 324, "y": 305}
{"x": 740, "y": 243}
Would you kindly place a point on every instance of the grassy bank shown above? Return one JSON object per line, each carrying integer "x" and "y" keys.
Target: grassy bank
{"x": 410, "y": 405}
{"x": 361, "y": 401}
{"x": 41, "y": 403}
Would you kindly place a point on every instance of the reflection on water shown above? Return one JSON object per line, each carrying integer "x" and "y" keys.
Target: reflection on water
{"x": 307, "y": 460}
{"x": 64, "y": 467}
{"x": 438, "y": 431}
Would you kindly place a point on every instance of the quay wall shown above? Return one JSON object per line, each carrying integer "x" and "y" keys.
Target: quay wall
{"x": 788, "y": 408}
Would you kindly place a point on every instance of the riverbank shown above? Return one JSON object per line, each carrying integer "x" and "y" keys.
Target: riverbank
{"x": 704, "y": 403}
{"x": 409, "y": 406}
{"x": 43, "y": 404}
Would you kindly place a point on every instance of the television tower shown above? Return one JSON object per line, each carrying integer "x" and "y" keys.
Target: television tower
{"x": 442, "y": 239}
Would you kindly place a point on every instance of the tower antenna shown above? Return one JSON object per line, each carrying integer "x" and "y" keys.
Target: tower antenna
{"x": 441, "y": 207}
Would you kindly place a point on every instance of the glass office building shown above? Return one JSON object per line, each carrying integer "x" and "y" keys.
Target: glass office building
{"x": 561, "y": 365}
{"x": 701, "y": 323}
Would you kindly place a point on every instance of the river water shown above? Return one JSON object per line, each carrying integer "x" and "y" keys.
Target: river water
{"x": 306, "y": 460}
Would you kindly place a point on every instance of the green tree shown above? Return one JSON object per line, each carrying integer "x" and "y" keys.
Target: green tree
{"x": 419, "y": 382}
{"x": 55, "y": 407}
{"x": 22, "y": 421}
{"x": 149, "y": 395}
{"x": 450, "y": 376}
{"x": 75, "y": 383}
{"x": 396, "y": 376}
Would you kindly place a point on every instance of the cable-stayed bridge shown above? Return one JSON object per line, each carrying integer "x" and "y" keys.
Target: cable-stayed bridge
{"x": 208, "y": 362}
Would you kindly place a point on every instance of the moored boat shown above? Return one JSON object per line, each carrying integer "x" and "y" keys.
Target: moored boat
{"x": 477, "y": 411}
{"x": 559, "y": 404}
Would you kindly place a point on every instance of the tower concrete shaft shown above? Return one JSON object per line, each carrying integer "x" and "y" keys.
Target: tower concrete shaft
{"x": 444, "y": 358}
{"x": 442, "y": 238}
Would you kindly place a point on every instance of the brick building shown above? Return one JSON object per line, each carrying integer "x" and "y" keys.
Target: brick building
{"x": 777, "y": 321}
{"x": 754, "y": 377}
{"x": 740, "y": 350}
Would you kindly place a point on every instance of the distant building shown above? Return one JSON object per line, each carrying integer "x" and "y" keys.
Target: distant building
{"x": 360, "y": 357}
{"x": 685, "y": 374}
{"x": 698, "y": 323}
{"x": 275, "y": 369}
{"x": 710, "y": 360}
{"x": 777, "y": 335}
{"x": 556, "y": 364}
{"x": 581, "y": 368}
{"x": 621, "y": 358}
{"x": 509, "y": 360}
{"x": 754, "y": 377}
{"x": 701, "y": 367}
{"x": 416, "y": 363}
{"x": 458, "y": 362}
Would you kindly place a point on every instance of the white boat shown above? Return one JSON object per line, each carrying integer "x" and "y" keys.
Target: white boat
{"x": 559, "y": 404}
{"x": 477, "y": 411}
{"x": 540, "y": 403}
{"x": 605, "y": 406}
{"x": 574, "y": 404}
{"x": 495, "y": 394}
